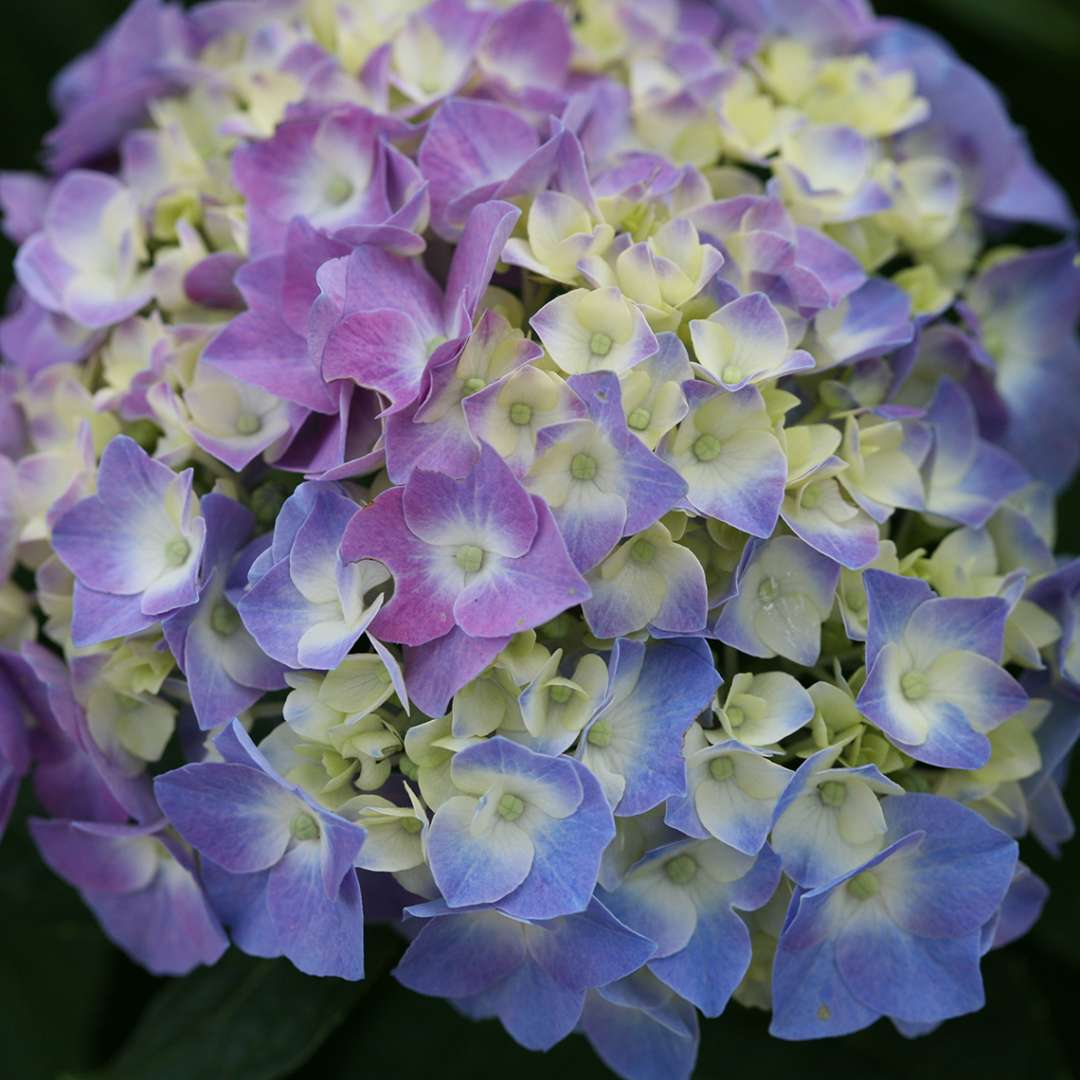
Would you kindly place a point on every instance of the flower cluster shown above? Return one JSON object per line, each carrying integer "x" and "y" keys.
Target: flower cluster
{"x": 573, "y": 480}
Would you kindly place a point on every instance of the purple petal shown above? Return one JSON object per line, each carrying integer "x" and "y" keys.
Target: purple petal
{"x": 421, "y": 608}
{"x": 95, "y": 860}
{"x": 437, "y": 670}
{"x": 486, "y": 231}
{"x": 639, "y": 1044}
{"x": 235, "y": 815}
{"x": 469, "y": 147}
{"x": 487, "y": 503}
{"x": 653, "y": 696}
{"x": 167, "y": 927}
{"x": 320, "y": 935}
{"x": 101, "y": 616}
{"x": 525, "y": 592}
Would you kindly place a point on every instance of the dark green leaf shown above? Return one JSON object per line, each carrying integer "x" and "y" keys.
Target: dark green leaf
{"x": 1042, "y": 24}
{"x": 403, "y": 1035}
{"x": 245, "y": 1019}
{"x": 55, "y": 966}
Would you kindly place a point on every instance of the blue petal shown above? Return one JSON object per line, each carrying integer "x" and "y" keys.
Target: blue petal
{"x": 567, "y": 859}
{"x": 239, "y": 901}
{"x": 638, "y": 1045}
{"x": 810, "y": 1000}
{"x": 321, "y": 936}
{"x": 472, "y": 868}
{"x": 891, "y": 600}
{"x": 462, "y": 955}
{"x": 916, "y": 979}
{"x": 589, "y": 949}
{"x": 713, "y": 963}
{"x": 535, "y": 1009}
{"x": 654, "y": 694}
{"x": 962, "y": 869}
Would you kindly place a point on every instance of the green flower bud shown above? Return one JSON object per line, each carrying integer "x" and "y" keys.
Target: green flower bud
{"x": 511, "y": 807}
{"x": 863, "y": 886}
{"x": 681, "y": 870}
{"x": 914, "y": 685}
{"x": 707, "y": 447}
{"x": 833, "y": 793}
{"x": 600, "y": 734}
{"x": 304, "y": 827}
{"x": 521, "y": 413}
{"x": 177, "y": 551}
{"x": 721, "y": 768}
{"x": 223, "y": 619}
{"x": 470, "y": 558}
{"x": 583, "y": 467}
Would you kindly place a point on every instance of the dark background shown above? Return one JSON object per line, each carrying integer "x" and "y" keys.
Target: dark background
{"x": 72, "y": 1006}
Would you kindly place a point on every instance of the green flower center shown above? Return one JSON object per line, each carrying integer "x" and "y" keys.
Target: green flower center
{"x": 435, "y": 342}
{"x": 469, "y": 557}
{"x": 706, "y": 447}
{"x": 338, "y": 190}
{"x": 224, "y": 619}
{"x": 473, "y": 384}
{"x": 177, "y": 551}
{"x": 735, "y": 716}
{"x": 560, "y": 694}
{"x": 248, "y": 424}
{"x": 721, "y": 768}
{"x": 768, "y": 590}
{"x": 732, "y": 373}
{"x": 913, "y": 685}
{"x": 304, "y": 827}
{"x": 643, "y": 551}
{"x": 412, "y": 825}
{"x": 583, "y": 467}
{"x": 520, "y": 414}
{"x": 600, "y": 344}
{"x": 833, "y": 793}
{"x": 811, "y": 498}
{"x": 639, "y": 419}
{"x": 599, "y": 734}
{"x": 681, "y": 870}
{"x": 863, "y": 886}
{"x": 511, "y": 807}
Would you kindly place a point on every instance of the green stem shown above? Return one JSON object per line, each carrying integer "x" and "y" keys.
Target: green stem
{"x": 731, "y": 664}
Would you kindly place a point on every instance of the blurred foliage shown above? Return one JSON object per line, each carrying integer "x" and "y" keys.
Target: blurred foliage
{"x": 245, "y": 1019}
{"x": 72, "y": 1006}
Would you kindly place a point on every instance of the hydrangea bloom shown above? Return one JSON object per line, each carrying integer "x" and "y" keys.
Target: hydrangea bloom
{"x": 135, "y": 547}
{"x": 920, "y": 904}
{"x": 284, "y": 880}
{"x": 585, "y": 481}
{"x": 304, "y": 604}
